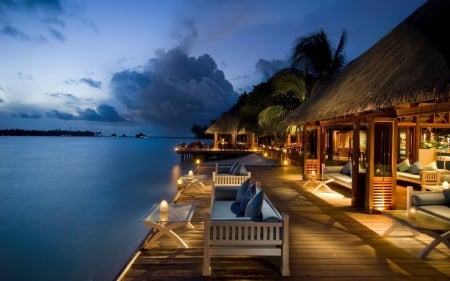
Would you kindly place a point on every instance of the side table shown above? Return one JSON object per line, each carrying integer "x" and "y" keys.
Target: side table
{"x": 178, "y": 215}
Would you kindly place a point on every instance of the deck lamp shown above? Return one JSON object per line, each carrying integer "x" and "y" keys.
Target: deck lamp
{"x": 163, "y": 207}
{"x": 191, "y": 174}
{"x": 445, "y": 184}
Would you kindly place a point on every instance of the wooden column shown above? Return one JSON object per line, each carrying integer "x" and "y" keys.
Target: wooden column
{"x": 358, "y": 184}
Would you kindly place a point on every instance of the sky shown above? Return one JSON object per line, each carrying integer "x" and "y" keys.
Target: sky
{"x": 159, "y": 67}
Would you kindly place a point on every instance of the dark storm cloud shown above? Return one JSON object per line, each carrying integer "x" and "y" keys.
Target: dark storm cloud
{"x": 269, "y": 68}
{"x": 190, "y": 34}
{"x": 33, "y": 115}
{"x": 104, "y": 113}
{"x": 175, "y": 90}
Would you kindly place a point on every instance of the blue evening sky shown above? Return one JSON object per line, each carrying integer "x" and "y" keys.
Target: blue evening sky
{"x": 158, "y": 67}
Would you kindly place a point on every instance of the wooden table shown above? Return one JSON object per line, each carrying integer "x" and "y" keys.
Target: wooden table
{"x": 320, "y": 181}
{"x": 178, "y": 215}
{"x": 192, "y": 180}
{"x": 423, "y": 223}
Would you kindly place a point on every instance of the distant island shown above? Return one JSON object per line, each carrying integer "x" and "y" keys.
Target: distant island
{"x": 51, "y": 133}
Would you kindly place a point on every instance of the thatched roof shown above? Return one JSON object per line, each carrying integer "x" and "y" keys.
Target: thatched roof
{"x": 227, "y": 123}
{"x": 408, "y": 65}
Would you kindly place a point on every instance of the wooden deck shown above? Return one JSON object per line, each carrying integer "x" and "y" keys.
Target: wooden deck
{"x": 329, "y": 240}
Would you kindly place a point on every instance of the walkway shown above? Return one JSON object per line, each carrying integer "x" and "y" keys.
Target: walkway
{"x": 328, "y": 241}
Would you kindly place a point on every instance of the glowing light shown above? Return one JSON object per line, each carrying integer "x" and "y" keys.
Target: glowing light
{"x": 445, "y": 184}
{"x": 412, "y": 213}
{"x": 180, "y": 181}
{"x": 197, "y": 161}
{"x": 191, "y": 174}
{"x": 163, "y": 207}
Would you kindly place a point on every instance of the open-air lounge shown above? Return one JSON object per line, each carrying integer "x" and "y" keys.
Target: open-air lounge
{"x": 381, "y": 130}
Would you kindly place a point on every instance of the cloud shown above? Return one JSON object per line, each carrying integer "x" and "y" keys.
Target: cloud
{"x": 91, "y": 83}
{"x": 24, "y": 76}
{"x": 33, "y": 115}
{"x": 269, "y": 68}
{"x": 87, "y": 81}
{"x": 45, "y": 19}
{"x": 187, "y": 34}
{"x": 14, "y": 32}
{"x": 58, "y": 35}
{"x": 175, "y": 90}
{"x": 104, "y": 113}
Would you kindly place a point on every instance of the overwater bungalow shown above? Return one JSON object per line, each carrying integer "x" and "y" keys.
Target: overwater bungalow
{"x": 390, "y": 104}
{"x": 229, "y": 134}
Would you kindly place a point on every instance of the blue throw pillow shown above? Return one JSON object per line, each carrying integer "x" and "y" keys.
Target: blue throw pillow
{"x": 253, "y": 208}
{"x": 233, "y": 167}
{"x": 404, "y": 165}
{"x": 347, "y": 169}
{"x": 415, "y": 168}
{"x": 246, "y": 198}
{"x": 242, "y": 189}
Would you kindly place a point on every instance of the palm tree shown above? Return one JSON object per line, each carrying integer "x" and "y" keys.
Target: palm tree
{"x": 317, "y": 58}
{"x": 270, "y": 121}
{"x": 288, "y": 91}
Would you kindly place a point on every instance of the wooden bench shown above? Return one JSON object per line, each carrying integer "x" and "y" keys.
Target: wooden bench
{"x": 228, "y": 235}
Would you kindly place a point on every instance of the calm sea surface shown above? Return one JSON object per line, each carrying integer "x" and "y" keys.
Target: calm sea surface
{"x": 70, "y": 207}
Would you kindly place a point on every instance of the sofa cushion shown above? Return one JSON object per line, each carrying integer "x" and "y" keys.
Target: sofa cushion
{"x": 242, "y": 189}
{"x": 253, "y": 208}
{"x": 404, "y": 165}
{"x": 415, "y": 168}
{"x": 440, "y": 211}
{"x": 226, "y": 211}
{"x": 408, "y": 177}
{"x": 429, "y": 198}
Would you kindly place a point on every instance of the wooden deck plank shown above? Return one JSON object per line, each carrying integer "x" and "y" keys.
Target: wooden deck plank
{"x": 328, "y": 239}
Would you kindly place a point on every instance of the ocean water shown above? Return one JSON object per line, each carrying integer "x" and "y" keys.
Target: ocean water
{"x": 70, "y": 207}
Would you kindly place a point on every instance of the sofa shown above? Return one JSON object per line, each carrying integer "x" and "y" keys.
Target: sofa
{"x": 340, "y": 175}
{"x": 436, "y": 204}
{"x": 417, "y": 174}
{"x": 428, "y": 213}
{"x": 243, "y": 222}
{"x": 233, "y": 175}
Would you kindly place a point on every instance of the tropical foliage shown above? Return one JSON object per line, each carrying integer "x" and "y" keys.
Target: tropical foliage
{"x": 314, "y": 63}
